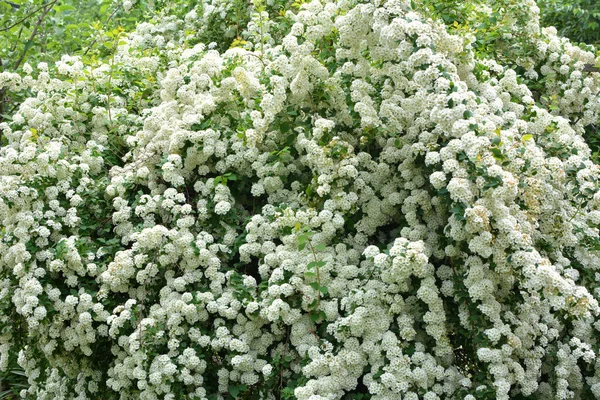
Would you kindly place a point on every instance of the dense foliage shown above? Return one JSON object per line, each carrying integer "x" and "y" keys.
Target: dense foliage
{"x": 578, "y": 20}
{"x": 305, "y": 200}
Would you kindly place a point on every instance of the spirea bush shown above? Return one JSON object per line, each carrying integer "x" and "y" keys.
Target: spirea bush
{"x": 309, "y": 200}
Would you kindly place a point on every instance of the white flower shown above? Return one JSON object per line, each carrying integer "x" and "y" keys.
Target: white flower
{"x": 222, "y": 207}
{"x": 267, "y": 369}
{"x": 438, "y": 179}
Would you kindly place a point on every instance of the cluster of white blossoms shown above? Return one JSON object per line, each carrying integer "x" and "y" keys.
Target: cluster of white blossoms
{"x": 352, "y": 204}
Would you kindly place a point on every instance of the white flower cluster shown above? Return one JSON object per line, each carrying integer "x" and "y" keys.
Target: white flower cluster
{"x": 350, "y": 204}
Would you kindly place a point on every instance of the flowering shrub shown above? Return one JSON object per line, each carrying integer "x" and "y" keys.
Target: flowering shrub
{"x": 347, "y": 201}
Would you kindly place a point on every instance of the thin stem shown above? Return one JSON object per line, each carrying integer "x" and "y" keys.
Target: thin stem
{"x": 285, "y": 350}
{"x": 314, "y": 253}
{"x": 467, "y": 303}
{"x": 262, "y": 35}
{"x": 1, "y": 101}
{"x": 108, "y": 99}
{"x": 237, "y": 19}
{"x": 259, "y": 7}
{"x": 142, "y": 305}
{"x": 580, "y": 205}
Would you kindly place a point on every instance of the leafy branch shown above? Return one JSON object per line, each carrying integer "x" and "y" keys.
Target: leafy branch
{"x": 29, "y": 42}
{"x": 105, "y": 24}
{"x": 27, "y": 16}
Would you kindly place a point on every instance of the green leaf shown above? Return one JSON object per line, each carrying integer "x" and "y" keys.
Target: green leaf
{"x": 527, "y": 137}
{"x": 320, "y": 247}
{"x": 302, "y": 239}
{"x": 234, "y": 390}
{"x": 497, "y": 153}
{"x": 459, "y": 212}
{"x": 64, "y": 7}
{"x": 28, "y": 45}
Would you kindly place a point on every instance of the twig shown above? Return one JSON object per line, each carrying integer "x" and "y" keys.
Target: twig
{"x": 259, "y": 58}
{"x": 590, "y": 68}
{"x": 27, "y": 16}
{"x": 13, "y": 5}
